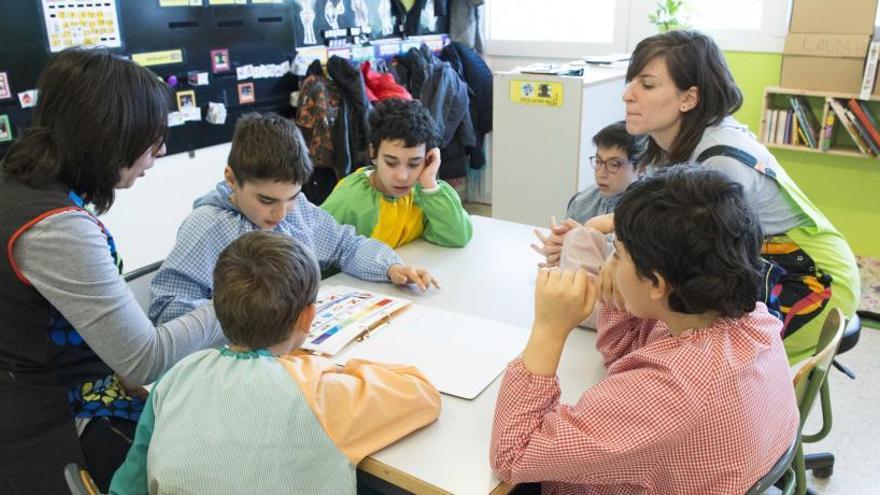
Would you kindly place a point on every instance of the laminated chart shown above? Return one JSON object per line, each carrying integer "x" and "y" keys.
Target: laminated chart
{"x": 81, "y": 23}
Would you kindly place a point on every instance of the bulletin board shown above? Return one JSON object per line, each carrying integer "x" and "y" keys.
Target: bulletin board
{"x": 215, "y": 49}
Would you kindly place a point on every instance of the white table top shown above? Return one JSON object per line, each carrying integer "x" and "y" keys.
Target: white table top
{"x": 493, "y": 277}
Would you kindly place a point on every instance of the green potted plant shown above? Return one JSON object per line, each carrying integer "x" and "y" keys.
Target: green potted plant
{"x": 668, "y": 16}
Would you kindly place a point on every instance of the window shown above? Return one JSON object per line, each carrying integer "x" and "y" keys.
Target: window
{"x": 743, "y": 25}
{"x": 555, "y": 28}
{"x": 573, "y": 28}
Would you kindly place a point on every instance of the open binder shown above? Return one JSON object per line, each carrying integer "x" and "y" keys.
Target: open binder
{"x": 344, "y": 314}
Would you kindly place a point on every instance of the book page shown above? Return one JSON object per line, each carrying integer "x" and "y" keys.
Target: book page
{"x": 344, "y": 314}
{"x": 460, "y": 354}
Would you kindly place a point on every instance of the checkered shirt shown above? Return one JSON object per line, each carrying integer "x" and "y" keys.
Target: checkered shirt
{"x": 707, "y": 412}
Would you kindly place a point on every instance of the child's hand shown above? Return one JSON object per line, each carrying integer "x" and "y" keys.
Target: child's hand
{"x": 602, "y": 223}
{"x": 551, "y": 245}
{"x": 562, "y": 300}
{"x": 428, "y": 177}
{"x": 402, "y": 274}
{"x": 608, "y": 291}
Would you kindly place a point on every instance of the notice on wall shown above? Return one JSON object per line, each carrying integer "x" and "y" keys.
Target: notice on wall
{"x": 180, "y": 3}
{"x": 546, "y": 93}
{"x": 81, "y": 23}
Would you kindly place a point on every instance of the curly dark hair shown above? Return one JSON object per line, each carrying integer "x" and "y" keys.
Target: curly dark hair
{"x": 694, "y": 228}
{"x": 616, "y": 135}
{"x": 406, "y": 120}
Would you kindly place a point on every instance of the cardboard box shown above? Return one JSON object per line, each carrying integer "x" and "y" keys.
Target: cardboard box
{"x": 824, "y": 62}
{"x": 826, "y": 16}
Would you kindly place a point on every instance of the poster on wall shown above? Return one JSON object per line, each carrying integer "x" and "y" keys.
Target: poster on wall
{"x": 78, "y": 23}
{"x": 313, "y": 17}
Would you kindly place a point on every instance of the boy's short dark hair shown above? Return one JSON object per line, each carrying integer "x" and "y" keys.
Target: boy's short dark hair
{"x": 694, "y": 227}
{"x": 405, "y": 120}
{"x": 616, "y": 135}
{"x": 262, "y": 282}
{"x": 269, "y": 147}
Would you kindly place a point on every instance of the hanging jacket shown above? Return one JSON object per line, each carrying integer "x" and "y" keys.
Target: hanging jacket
{"x": 476, "y": 74}
{"x": 381, "y": 86}
{"x": 445, "y": 95}
{"x": 317, "y": 108}
{"x": 412, "y": 69}
{"x": 351, "y": 132}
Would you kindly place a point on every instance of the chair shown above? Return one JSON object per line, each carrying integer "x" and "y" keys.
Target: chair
{"x": 79, "y": 482}
{"x": 808, "y": 381}
{"x": 139, "y": 283}
{"x": 822, "y": 463}
{"x": 780, "y": 469}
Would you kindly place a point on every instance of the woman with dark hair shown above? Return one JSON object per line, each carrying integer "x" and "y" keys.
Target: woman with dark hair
{"x": 680, "y": 92}
{"x": 72, "y": 336}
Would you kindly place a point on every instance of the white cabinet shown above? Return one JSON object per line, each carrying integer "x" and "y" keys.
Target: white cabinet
{"x": 540, "y": 153}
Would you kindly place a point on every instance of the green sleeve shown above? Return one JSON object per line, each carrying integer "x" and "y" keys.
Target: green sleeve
{"x": 353, "y": 202}
{"x": 131, "y": 477}
{"x": 446, "y": 222}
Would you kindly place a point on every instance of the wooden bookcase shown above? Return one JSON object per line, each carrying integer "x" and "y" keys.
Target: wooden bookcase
{"x": 776, "y": 98}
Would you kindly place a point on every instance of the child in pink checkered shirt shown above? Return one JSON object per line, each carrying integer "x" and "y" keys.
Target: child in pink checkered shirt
{"x": 698, "y": 396}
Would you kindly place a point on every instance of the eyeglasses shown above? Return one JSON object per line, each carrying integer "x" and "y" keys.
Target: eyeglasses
{"x": 612, "y": 165}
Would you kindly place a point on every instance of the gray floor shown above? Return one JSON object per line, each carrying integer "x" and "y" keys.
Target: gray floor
{"x": 855, "y": 435}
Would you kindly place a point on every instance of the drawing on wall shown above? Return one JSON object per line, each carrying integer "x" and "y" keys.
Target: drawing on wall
{"x": 307, "y": 19}
{"x": 361, "y": 13}
{"x": 429, "y": 20}
{"x": 332, "y": 10}
{"x": 385, "y": 16}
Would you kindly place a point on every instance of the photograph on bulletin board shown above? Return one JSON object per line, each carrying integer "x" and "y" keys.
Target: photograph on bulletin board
{"x": 5, "y": 92}
{"x": 5, "y": 129}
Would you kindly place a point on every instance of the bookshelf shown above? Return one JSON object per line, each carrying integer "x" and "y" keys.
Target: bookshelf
{"x": 780, "y": 121}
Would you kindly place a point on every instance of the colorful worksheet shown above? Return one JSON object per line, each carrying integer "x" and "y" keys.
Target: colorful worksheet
{"x": 344, "y": 314}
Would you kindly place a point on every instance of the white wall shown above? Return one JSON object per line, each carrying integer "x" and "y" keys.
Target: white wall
{"x": 144, "y": 218}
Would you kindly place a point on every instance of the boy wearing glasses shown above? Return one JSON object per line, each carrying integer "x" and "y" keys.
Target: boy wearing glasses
{"x": 616, "y": 164}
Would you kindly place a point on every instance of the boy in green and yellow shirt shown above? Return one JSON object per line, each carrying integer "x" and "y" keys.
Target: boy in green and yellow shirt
{"x": 399, "y": 198}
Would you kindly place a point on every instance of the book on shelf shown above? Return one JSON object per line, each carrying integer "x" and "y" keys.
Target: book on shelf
{"x": 842, "y": 117}
{"x": 862, "y": 114}
{"x": 765, "y": 124}
{"x": 806, "y": 120}
{"x": 780, "y": 127}
{"x": 870, "y": 69}
{"x": 828, "y": 131}
{"x": 863, "y": 132}
{"x": 786, "y": 138}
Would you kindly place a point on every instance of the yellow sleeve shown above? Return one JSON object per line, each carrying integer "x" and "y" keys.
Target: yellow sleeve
{"x": 364, "y": 406}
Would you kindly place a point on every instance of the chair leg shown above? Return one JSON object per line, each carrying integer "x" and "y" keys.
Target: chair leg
{"x": 800, "y": 472}
{"x": 825, "y": 401}
{"x": 822, "y": 464}
{"x": 843, "y": 369}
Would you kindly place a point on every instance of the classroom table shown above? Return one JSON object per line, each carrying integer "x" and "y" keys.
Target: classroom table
{"x": 493, "y": 277}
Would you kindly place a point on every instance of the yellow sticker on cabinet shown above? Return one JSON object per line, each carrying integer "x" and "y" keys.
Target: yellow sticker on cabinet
{"x": 158, "y": 58}
{"x": 536, "y": 92}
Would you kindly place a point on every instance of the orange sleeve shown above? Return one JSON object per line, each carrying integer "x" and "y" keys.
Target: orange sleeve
{"x": 364, "y": 406}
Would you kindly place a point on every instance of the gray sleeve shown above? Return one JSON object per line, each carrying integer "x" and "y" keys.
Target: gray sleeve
{"x": 65, "y": 257}
{"x": 763, "y": 195}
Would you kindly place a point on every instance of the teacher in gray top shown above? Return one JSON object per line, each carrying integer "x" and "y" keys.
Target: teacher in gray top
{"x": 74, "y": 345}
